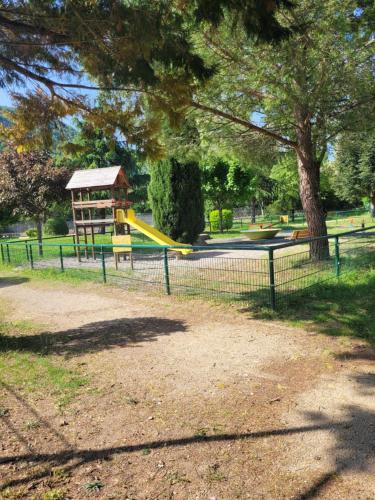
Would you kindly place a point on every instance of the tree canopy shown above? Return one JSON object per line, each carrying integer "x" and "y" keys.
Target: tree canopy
{"x": 30, "y": 183}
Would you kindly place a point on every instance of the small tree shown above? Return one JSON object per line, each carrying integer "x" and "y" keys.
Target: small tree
{"x": 227, "y": 183}
{"x": 176, "y": 200}
{"x": 30, "y": 183}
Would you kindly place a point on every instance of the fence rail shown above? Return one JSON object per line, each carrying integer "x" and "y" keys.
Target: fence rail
{"x": 264, "y": 274}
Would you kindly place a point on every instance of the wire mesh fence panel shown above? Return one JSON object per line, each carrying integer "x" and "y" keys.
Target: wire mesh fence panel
{"x": 298, "y": 271}
{"x": 204, "y": 273}
{"x": 260, "y": 275}
{"x": 357, "y": 250}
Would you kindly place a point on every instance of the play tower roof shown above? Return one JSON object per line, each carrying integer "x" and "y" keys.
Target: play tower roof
{"x": 99, "y": 178}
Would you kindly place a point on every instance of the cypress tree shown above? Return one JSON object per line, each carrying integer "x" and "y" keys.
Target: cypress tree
{"x": 176, "y": 199}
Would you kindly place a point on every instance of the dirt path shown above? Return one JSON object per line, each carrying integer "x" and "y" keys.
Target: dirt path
{"x": 188, "y": 400}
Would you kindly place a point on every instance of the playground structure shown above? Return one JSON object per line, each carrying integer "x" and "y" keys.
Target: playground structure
{"x": 100, "y": 199}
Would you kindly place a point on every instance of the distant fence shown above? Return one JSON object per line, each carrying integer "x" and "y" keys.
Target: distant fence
{"x": 266, "y": 275}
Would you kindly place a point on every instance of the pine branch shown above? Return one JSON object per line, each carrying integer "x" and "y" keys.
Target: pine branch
{"x": 244, "y": 123}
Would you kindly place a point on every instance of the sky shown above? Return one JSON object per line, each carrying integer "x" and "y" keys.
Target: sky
{"x": 5, "y": 98}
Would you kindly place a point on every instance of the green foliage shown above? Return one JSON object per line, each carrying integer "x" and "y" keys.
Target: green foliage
{"x": 354, "y": 168}
{"x": 286, "y": 189}
{"x": 32, "y": 233}
{"x": 176, "y": 199}
{"x": 217, "y": 187}
{"x": 6, "y": 217}
{"x": 227, "y": 220}
{"x": 56, "y": 226}
{"x": 257, "y": 18}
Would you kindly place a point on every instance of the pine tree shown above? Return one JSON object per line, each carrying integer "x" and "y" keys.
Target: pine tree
{"x": 176, "y": 199}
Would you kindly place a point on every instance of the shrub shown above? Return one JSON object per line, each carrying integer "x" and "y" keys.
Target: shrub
{"x": 175, "y": 196}
{"x": 56, "y": 226}
{"x": 32, "y": 233}
{"x": 227, "y": 219}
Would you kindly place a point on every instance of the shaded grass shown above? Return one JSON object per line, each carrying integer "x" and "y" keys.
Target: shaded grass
{"x": 35, "y": 372}
{"x": 343, "y": 307}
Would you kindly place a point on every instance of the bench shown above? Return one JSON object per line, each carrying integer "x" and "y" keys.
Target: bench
{"x": 299, "y": 234}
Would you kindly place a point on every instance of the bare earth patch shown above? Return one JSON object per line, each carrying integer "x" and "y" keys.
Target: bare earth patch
{"x": 185, "y": 400}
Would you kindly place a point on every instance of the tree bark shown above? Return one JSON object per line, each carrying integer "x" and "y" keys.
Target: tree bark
{"x": 39, "y": 231}
{"x": 253, "y": 211}
{"x": 372, "y": 204}
{"x": 309, "y": 185}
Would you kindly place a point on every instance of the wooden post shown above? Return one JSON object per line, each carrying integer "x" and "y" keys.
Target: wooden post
{"x": 92, "y": 227}
{"x": 82, "y": 219}
{"x": 76, "y": 235}
{"x": 114, "y": 211}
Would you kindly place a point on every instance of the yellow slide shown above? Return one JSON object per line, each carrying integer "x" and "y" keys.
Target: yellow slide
{"x": 129, "y": 217}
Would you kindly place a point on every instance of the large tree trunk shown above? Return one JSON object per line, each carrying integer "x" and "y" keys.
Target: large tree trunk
{"x": 309, "y": 185}
{"x": 39, "y": 231}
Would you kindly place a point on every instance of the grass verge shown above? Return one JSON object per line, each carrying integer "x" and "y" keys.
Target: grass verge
{"x": 343, "y": 307}
{"x": 28, "y": 367}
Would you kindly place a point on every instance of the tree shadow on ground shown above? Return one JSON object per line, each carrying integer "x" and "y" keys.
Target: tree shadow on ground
{"x": 353, "y": 450}
{"x": 354, "y": 446}
{"x": 12, "y": 281}
{"x": 93, "y": 337}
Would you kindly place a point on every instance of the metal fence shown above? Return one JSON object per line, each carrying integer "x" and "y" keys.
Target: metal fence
{"x": 261, "y": 274}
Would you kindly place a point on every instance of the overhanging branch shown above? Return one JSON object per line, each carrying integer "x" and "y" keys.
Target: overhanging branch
{"x": 244, "y": 123}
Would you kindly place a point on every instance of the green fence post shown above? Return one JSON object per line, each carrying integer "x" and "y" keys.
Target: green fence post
{"x": 2, "y": 254}
{"x": 31, "y": 257}
{"x": 61, "y": 259}
{"x": 8, "y": 253}
{"x": 337, "y": 256}
{"x": 103, "y": 265}
{"x": 166, "y": 272}
{"x": 271, "y": 270}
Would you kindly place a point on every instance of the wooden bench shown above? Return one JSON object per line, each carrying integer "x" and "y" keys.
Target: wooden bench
{"x": 299, "y": 234}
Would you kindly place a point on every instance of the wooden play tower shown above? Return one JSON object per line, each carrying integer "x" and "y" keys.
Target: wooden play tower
{"x": 96, "y": 195}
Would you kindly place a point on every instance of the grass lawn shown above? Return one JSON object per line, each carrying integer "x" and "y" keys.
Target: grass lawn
{"x": 343, "y": 307}
{"x": 334, "y": 226}
{"x": 27, "y": 364}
